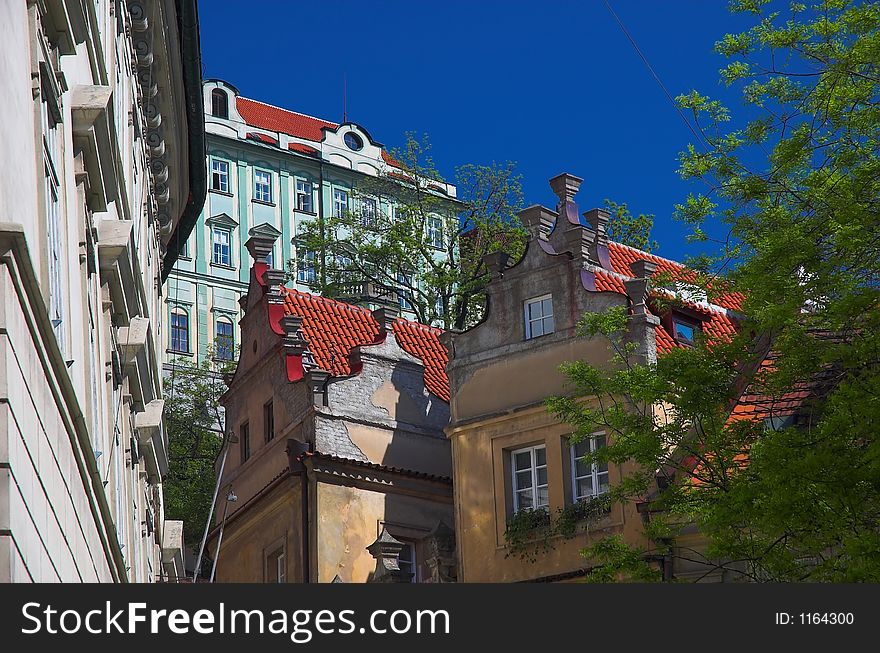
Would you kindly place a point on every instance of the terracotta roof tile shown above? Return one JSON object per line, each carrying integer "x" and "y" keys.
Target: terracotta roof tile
{"x": 334, "y": 328}
{"x": 275, "y": 119}
{"x": 261, "y": 138}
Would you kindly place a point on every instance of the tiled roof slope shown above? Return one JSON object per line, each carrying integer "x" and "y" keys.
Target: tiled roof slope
{"x": 275, "y": 119}
{"x": 334, "y": 328}
{"x": 718, "y": 325}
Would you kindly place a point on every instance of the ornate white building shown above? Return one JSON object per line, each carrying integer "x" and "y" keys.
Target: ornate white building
{"x": 101, "y": 176}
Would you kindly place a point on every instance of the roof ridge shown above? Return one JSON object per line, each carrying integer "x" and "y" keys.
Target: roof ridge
{"x": 641, "y": 251}
{"x": 299, "y": 113}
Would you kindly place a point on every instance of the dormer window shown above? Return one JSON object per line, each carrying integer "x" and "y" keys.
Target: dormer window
{"x": 684, "y": 330}
{"x": 219, "y": 104}
{"x": 353, "y": 141}
{"x": 539, "y": 316}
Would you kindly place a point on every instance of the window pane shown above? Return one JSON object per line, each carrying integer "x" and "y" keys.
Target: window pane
{"x": 543, "y": 497}
{"x": 534, "y": 310}
{"x": 523, "y": 479}
{"x": 541, "y": 456}
{"x": 603, "y": 482}
{"x": 524, "y": 500}
{"x": 542, "y": 475}
{"x": 547, "y": 325}
{"x": 547, "y": 306}
{"x": 581, "y": 468}
{"x": 523, "y": 460}
{"x": 584, "y": 487}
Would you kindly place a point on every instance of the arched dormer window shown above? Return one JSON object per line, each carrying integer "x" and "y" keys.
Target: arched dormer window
{"x": 219, "y": 103}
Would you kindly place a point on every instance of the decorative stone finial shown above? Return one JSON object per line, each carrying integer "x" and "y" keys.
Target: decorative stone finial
{"x": 386, "y": 316}
{"x": 262, "y": 240}
{"x": 537, "y": 220}
{"x": 565, "y": 186}
{"x": 496, "y": 263}
{"x": 386, "y": 550}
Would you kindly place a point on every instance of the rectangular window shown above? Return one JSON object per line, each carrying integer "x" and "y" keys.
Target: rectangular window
{"x": 184, "y": 249}
{"x": 220, "y": 175}
{"x": 588, "y": 480}
{"x": 269, "y": 421}
{"x": 224, "y": 343}
{"x": 529, "y": 473}
{"x": 369, "y": 212}
{"x": 435, "y": 232}
{"x": 304, "y": 196}
{"x": 179, "y": 331}
{"x": 262, "y": 186}
{"x": 245, "y": 441}
{"x": 222, "y": 252}
{"x": 684, "y": 331}
{"x": 407, "y": 561}
{"x": 340, "y": 202}
{"x": 305, "y": 265}
{"x": 276, "y": 567}
{"x": 404, "y": 294}
{"x": 539, "y": 316}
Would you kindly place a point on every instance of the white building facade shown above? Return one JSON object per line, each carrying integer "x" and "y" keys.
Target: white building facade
{"x": 101, "y": 175}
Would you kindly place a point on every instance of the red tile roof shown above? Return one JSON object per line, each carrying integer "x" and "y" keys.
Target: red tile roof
{"x": 262, "y": 138}
{"x": 302, "y": 148}
{"x": 334, "y": 328}
{"x": 275, "y": 119}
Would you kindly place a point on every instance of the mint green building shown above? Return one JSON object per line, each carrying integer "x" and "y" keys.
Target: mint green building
{"x": 266, "y": 165}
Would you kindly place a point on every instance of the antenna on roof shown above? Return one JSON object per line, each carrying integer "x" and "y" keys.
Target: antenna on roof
{"x": 344, "y": 115}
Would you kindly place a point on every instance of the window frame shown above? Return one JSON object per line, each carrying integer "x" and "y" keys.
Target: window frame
{"x": 218, "y": 93}
{"x": 528, "y": 320}
{"x": 677, "y": 319}
{"x": 221, "y": 175}
{"x": 308, "y": 192}
{"x": 304, "y": 255}
{"x": 280, "y": 558}
{"x": 220, "y": 228}
{"x": 434, "y": 230}
{"x": 336, "y": 203}
{"x": 515, "y": 490}
{"x": 413, "y": 559}
{"x": 244, "y": 436}
{"x": 231, "y": 336}
{"x": 269, "y": 420}
{"x": 267, "y": 198}
{"x": 178, "y": 311}
{"x": 595, "y": 472}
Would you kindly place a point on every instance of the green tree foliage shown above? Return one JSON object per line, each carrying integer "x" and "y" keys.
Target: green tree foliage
{"x": 627, "y": 229}
{"x": 797, "y": 185}
{"x": 193, "y": 421}
{"x": 404, "y": 234}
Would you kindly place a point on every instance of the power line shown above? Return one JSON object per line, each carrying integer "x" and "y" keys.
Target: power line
{"x": 655, "y": 75}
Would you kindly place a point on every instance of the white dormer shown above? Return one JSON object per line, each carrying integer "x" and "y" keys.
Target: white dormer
{"x": 351, "y": 146}
{"x": 221, "y": 113}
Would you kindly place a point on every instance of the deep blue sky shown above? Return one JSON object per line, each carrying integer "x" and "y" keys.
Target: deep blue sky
{"x": 554, "y": 86}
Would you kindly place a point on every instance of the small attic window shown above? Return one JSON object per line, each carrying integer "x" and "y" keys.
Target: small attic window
{"x": 219, "y": 103}
{"x": 684, "y": 330}
{"x": 539, "y": 316}
{"x": 353, "y": 141}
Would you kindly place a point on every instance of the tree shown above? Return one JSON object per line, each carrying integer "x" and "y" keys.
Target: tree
{"x": 414, "y": 243}
{"x": 797, "y": 186}
{"x": 626, "y": 229}
{"x": 194, "y": 422}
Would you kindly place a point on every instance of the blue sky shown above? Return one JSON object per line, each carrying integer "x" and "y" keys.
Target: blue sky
{"x": 554, "y": 86}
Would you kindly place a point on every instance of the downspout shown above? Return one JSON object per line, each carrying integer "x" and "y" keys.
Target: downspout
{"x": 190, "y": 51}
{"x": 321, "y": 217}
{"x": 296, "y": 451}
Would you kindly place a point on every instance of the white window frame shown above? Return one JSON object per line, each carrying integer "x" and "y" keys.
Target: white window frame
{"x": 262, "y": 189}
{"x": 305, "y": 274}
{"x": 279, "y": 574}
{"x": 532, "y": 322}
{"x": 215, "y": 229}
{"x": 340, "y": 205}
{"x": 303, "y": 189}
{"x": 222, "y": 175}
{"x": 595, "y": 472}
{"x": 404, "y": 294}
{"x": 435, "y": 232}
{"x": 369, "y": 216}
{"x": 231, "y": 336}
{"x": 177, "y": 310}
{"x": 534, "y": 467}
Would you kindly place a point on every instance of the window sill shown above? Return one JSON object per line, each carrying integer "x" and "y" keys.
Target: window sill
{"x": 217, "y": 191}
{"x": 177, "y": 352}
{"x": 223, "y": 266}
{"x": 311, "y": 213}
{"x": 263, "y": 202}
{"x": 184, "y": 258}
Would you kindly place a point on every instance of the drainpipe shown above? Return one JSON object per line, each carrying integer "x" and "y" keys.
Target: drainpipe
{"x": 321, "y": 216}
{"x": 230, "y": 438}
{"x": 230, "y": 498}
{"x": 296, "y": 450}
